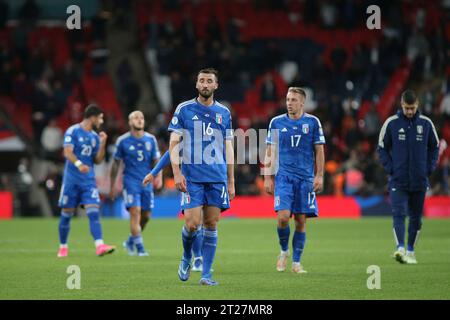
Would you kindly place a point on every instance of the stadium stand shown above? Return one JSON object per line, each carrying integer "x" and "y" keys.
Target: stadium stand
{"x": 353, "y": 75}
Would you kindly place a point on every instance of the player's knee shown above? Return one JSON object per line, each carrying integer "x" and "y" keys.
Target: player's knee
{"x": 145, "y": 216}
{"x": 68, "y": 211}
{"x": 210, "y": 224}
{"x": 283, "y": 221}
{"x": 300, "y": 227}
{"x": 191, "y": 226}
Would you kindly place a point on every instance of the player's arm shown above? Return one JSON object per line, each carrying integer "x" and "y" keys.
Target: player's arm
{"x": 230, "y": 167}
{"x": 320, "y": 164}
{"x": 102, "y": 149}
{"x": 69, "y": 155}
{"x": 384, "y": 148}
{"x": 174, "y": 148}
{"x": 113, "y": 175}
{"x": 162, "y": 163}
{"x": 433, "y": 150}
{"x": 268, "y": 172}
{"x": 158, "y": 175}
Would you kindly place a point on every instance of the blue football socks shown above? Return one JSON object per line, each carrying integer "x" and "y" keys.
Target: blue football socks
{"x": 283, "y": 235}
{"x": 64, "y": 227}
{"x": 198, "y": 243}
{"x": 298, "y": 243}
{"x": 209, "y": 251}
{"x": 94, "y": 222}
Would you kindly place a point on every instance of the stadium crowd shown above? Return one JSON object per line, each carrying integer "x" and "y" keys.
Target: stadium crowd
{"x": 345, "y": 84}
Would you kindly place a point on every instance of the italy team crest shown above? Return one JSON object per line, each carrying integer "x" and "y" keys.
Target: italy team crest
{"x": 419, "y": 129}
{"x": 305, "y": 128}
{"x": 218, "y": 118}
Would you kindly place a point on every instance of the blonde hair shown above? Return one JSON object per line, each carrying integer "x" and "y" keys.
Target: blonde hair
{"x": 297, "y": 90}
{"x": 133, "y": 113}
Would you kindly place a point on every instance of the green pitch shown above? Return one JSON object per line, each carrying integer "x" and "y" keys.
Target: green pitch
{"x": 336, "y": 256}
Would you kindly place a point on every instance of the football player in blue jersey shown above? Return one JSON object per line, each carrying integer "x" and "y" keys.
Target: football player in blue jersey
{"x": 295, "y": 151}
{"x": 82, "y": 148}
{"x": 197, "y": 265}
{"x": 201, "y": 129}
{"x": 139, "y": 151}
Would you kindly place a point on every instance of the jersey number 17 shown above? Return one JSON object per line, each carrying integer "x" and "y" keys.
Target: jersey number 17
{"x": 295, "y": 140}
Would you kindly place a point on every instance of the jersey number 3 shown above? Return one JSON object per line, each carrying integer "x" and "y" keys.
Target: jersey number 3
{"x": 140, "y": 155}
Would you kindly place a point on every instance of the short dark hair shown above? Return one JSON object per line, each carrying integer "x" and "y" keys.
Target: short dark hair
{"x": 409, "y": 97}
{"x": 210, "y": 71}
{"x": 92, "y": 110}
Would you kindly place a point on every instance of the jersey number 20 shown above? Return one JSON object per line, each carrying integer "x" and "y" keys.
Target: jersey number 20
{"x": 86, "y": 150}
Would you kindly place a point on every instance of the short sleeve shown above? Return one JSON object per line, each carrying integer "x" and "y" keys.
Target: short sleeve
{"x": 177, "y": 122}
{"x": 319, "y": 138}
{"x": 271, "y": 133}
{"x": 69, "y": 138}
{"x": 155, "y": 150}
{"x": 229, "y": 128}
{"x": 118, "y": 153}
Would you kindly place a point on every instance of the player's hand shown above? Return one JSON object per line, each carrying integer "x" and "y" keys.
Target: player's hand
{"x": 231, "y": 190}
{"x": 180, "y": 182}
{"x": 318, "y": 184}
{"x": 103, "y": 136}
{"x": 158, "y": 182}
{"x": 148, "y": 179}
{"x": 83, "y": 168}
{"x": 268, "y": 185}
{"x": 112, "y": 194}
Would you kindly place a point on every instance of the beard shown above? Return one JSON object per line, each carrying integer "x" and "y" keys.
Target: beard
{"x": 206, "y": 94}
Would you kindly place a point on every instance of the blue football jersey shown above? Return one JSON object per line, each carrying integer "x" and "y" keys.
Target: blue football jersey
{"x": 85, "y": 147}
{"x": 137, "y": 155}
{"x": 205, "y": 130}
{"x": 296, "y": 140}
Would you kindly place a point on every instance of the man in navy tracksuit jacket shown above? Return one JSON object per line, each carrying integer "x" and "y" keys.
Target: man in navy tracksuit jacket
{"x": 408, "y": 147}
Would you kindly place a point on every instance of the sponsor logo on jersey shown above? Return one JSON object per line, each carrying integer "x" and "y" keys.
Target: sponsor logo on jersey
{"x": 284, "y": 130}
{"x": 132, "y": 148}
{"x": 401, "y": 130}
{"x": 195, "y": 117}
